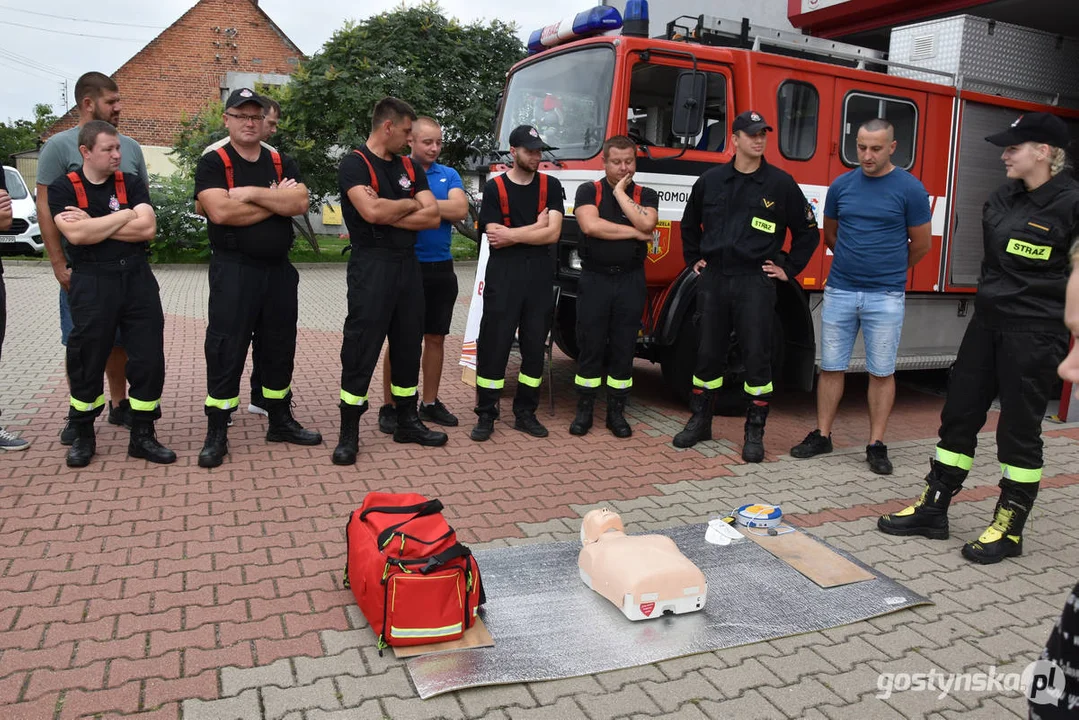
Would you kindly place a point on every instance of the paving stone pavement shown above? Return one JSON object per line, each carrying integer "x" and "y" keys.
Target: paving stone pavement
{"x": 129, "y": 590}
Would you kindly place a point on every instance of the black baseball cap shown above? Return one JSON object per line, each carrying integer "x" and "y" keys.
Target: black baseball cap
{"x": 526, "y": 136}
{"x": 241, "y": 96}
{"x": 750, "y": 122}
{"x": 1036, "y": 127}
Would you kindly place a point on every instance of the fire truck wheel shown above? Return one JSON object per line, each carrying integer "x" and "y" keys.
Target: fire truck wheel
{"x": 469, "y": 227}
{"x": 564, "y": 328}
{"x": 679, "y": 359}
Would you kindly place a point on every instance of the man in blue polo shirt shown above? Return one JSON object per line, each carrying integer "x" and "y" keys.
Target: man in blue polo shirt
{"x": 439, "y": 279}
{"x": 877, "y": 222}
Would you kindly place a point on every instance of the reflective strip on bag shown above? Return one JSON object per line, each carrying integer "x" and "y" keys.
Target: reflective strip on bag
{"x": 952, "y": 459}
{"x": 275, "y": 394}
{"x": 1021, "y": 475}
{"x": 707, "y": 384}
{"x": 619, "y": 384}
{"x": 587, "y": 382}
{"x": 87, "y": 407}
{"x": 489, "y": 384}
{"x": 226, "y": 404}
{"x": 398, "y": 391}
{"x": 350, "y": 399}
{"x": 528, "y": 380}
{"x": 757, "y": 390}
{"x": 144, "y": 405}
{"x": 425, "y": 632}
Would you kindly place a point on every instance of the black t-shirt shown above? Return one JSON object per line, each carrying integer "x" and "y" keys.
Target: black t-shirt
{"x": 524, "y": 208}
{"x": 269, "y": 239}
{"x": 102, "y": 201}
{"x": 394, "y": 183}
{"x": 624, "y": 253}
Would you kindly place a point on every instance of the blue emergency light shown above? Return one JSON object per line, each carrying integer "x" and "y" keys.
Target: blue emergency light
{"x": 591, "y": 22}
{"x": 636, "y": 18}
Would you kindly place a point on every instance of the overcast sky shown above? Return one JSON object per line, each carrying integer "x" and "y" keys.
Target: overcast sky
{"x": 35, "y": 61}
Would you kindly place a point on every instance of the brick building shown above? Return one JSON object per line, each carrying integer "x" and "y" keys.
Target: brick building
{"x": 214, "y": 47}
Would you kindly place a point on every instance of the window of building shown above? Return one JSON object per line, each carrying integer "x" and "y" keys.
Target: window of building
{"x": 799, "y": 105}
{"x": 903, "y": 114}
{"x": 651, "y": 102}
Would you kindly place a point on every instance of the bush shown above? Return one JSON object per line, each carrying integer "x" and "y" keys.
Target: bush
{"x": 180, "y": 232}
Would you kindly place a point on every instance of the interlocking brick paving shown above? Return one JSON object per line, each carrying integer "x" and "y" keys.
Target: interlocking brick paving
{"x": 132, "y": 590}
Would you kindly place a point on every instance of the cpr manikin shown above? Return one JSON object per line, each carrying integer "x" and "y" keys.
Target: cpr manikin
{"x": 646, "y": 576}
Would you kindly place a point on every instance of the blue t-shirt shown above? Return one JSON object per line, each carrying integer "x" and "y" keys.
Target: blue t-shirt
{"x": 434, "y": 245}
{"x": 874, "y": 214}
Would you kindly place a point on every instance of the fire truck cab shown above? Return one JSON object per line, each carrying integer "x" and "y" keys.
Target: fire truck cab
{"x": 676, "y": 96}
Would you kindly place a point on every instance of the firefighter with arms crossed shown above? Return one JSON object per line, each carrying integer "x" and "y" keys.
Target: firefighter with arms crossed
{"x": 249, "y": 194}
{"x": 385, "y": 201}
{"x": 107, "y": 220}
{"x": 616, "y": 217}
{"x": 1013, "y": 343}
{"x": 521, "y": 214}
{"x": 733, "y": 230}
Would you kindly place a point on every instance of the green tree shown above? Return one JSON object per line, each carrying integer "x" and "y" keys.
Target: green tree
{"x": 450, "y": 71}
{"x": 19, "y": 135}
{"x": 205, "y": 128}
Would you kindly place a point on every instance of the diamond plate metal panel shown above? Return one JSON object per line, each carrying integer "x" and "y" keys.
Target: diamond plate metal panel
{"x": 992, "y": 57}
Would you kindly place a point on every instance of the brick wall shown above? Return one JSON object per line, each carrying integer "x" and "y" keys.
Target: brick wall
{"x": 182, "y": 69}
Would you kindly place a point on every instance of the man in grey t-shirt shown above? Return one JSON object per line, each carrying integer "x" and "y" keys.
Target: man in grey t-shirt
{"x": 97, "y": 98}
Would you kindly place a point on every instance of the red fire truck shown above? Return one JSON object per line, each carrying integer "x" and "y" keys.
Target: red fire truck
{"x": 945, "y": 85}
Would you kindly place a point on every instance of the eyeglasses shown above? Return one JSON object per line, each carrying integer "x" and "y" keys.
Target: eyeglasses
{"x": 246, "y": 118}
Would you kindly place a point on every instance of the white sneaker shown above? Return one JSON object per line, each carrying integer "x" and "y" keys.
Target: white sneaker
{"x": 256, "y": 410}
{"x": 8, "y": 441}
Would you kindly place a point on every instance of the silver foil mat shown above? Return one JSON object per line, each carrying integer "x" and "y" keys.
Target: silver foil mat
{"x": 547, "y": 625}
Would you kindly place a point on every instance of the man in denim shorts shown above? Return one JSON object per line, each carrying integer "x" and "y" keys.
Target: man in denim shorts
{"x": 877, "y": 223}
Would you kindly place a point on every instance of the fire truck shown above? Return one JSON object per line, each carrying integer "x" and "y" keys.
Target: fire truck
{"x": 944, "y": 85}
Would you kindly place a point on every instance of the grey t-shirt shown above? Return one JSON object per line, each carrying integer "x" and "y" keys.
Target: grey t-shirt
{"x": 60, "y": 155}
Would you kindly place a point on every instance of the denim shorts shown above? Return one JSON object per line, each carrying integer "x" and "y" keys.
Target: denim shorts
{"x": 878, "y": 313}
{"x": 66, "y": 323}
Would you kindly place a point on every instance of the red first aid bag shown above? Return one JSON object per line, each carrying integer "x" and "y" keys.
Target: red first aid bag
{"x": 413, "y": 581}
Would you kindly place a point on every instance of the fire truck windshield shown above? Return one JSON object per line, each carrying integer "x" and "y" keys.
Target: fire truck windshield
{"x": 566, "y": 97}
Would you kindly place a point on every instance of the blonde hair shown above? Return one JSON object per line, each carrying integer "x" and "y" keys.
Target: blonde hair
{"x": 1058, "y": 160}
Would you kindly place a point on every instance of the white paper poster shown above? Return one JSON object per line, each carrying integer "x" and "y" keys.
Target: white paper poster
{"x": 475, "y": 309}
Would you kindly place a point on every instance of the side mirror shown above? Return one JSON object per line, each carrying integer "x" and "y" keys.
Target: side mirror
{"x": 687, "y": 119}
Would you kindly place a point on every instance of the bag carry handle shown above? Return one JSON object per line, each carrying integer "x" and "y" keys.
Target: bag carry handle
{"x": 432, "y": 563}
{"x": 426, "y": 508}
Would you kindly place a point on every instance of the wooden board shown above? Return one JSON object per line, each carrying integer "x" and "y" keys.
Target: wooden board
{"x": 468, "y": 376}
{"x": 475, "y": 637}
{"x": 809, "y": 557}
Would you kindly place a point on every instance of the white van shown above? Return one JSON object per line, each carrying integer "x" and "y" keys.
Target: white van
{"x": 24, "y": 236}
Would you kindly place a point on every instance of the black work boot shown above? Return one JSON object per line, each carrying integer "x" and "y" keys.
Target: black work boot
{"x": 699, "y": 426}
{"x": 348, "y": 444}
{"x": 526, "y": 421}
{"x": 409, "y": 428}
{"x": 1004, "y": 538}
{"x": 216, "y": 446}
{"x": 753, "y": 445}
{"x": 284, "y": 428}
{"x": 83, "y": 446}
{"x": 483, "y": 429}
{"x": 929, "y": 516}
{"x": 121, "y": 413}
{"x": 616, "y": 420}
{"x": 143, "y": 443}
{"x": 582, "y": 421}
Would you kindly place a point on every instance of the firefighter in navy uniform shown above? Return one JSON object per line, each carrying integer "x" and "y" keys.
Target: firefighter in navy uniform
{"x": 616, "y": 217}
{"x": 249, "y": 194}
{"x": 107, "y": 220}
{"x": 521, "y": 214}
{"x": 385, "y": 201}
{"x": 733, "y": 230}
{"x": 1013, "y": 344}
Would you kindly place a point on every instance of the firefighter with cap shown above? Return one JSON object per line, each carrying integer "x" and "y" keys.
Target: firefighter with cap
{"x": 107, "y": 221}
{"x": 616, "y": 217}
{"x": 521, "y": 214}
{"x": 249, "y": 194}
{"x": 1013, "y": 344}
{"x": 386, "y": 202}
{"x": 733, "y": 231}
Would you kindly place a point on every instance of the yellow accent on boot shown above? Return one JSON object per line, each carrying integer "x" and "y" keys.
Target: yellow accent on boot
{"x": 909, "y": 510}
{"x": 996, "y": 532}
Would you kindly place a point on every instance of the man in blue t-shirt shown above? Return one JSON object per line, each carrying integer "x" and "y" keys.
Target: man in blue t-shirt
{"x": 877, "y": 222}
{"x": 439, "y": 278}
